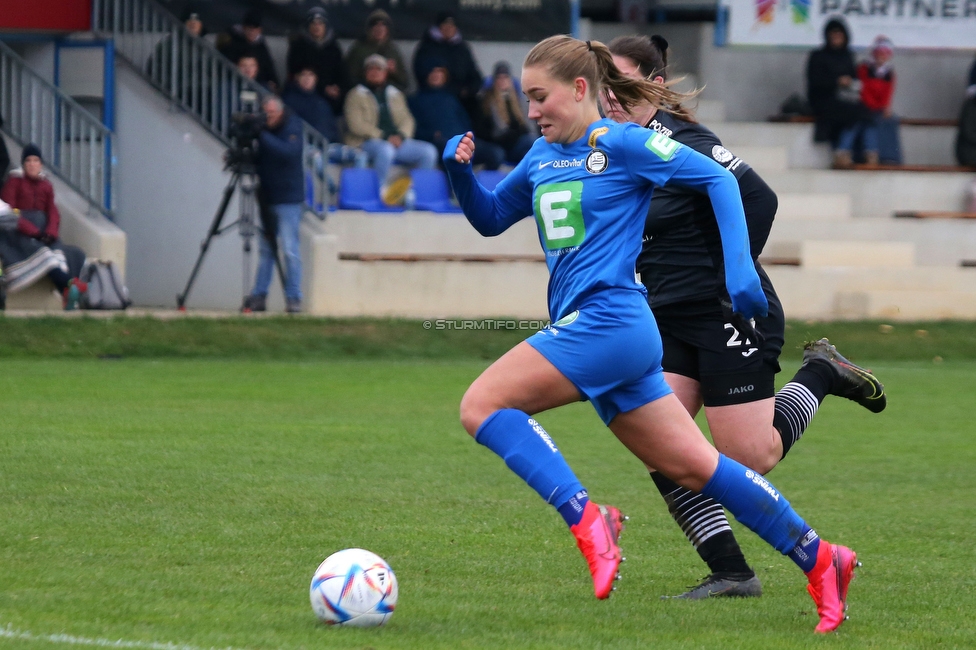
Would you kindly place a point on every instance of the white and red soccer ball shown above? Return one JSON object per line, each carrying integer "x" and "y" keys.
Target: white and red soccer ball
{"x": 354, "y": 587}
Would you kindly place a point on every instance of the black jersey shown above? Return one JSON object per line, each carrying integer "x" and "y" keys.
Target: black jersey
{"x": 681, "y": 258}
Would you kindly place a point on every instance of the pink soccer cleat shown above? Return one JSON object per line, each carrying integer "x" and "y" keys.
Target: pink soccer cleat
{"x": 829, "y": 580}
{"x": 596, "y": 536}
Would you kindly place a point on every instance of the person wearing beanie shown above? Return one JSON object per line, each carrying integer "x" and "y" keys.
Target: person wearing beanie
{"x": 247, "y": 39}
{"x": 443, "y": 41}
{"x": 29, "y": 191}
{"x": 316, "y": 46}
{"x": 377, "y": 39}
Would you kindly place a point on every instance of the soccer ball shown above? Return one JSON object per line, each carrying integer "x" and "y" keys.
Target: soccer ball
{"x": 354, "y": 587}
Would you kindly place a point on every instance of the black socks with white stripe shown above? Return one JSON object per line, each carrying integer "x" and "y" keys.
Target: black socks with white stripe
{"x": 704, "y": 523}
{"x": 797, "y": 402}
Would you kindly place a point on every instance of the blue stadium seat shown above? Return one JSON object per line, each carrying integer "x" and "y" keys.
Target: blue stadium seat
{"x": 490, "y": 178}
{"x": 359, "y": 189}
{"x": 432, "y": 191}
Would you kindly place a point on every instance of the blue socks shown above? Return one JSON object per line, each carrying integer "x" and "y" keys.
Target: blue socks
{"x": 756, "y": 503}
{"x": 529, "y": 452}
{"x": 806, "y": 550}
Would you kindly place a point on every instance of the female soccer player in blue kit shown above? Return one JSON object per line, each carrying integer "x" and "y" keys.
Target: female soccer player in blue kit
{"x": 588, "y": 182}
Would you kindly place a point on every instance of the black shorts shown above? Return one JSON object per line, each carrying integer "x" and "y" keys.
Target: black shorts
{"x": 699, "y": 344}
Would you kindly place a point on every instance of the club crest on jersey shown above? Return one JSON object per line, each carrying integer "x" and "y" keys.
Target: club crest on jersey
{"x": 721, "y": 154}
{"x": 596, "y": 162}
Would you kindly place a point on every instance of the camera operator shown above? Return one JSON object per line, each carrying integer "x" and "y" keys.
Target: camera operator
{"x": 279, "y": 169}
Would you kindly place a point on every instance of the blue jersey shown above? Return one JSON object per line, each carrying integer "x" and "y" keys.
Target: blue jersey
{"x": 590, "y": 198}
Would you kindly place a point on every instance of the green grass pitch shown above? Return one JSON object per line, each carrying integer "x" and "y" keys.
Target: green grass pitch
{"x": 168, "y": 503}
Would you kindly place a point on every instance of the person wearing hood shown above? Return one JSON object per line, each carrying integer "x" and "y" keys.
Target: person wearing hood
{"x": 247, "y": 38}
{"x": 377, "y": 39}
{"x": 833, "y": 89}
{"x": 440, "y": 115}
{"x": 316, "y": 46}
{"x": 443, "y": 41}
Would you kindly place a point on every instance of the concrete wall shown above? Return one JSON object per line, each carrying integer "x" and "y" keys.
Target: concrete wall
{"x": 169, "y": 185}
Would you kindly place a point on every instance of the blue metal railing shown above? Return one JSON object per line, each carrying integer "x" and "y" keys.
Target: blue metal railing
{"x": 194, "y": 75}
{"x": 75, "y": 145}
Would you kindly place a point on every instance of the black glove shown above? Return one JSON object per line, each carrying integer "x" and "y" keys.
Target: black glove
{"x": 745, "y": 326}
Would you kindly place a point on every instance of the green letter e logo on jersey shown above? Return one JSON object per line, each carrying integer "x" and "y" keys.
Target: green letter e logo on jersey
{"x": 662, "y": 145}
{"x": 559, "y": 214}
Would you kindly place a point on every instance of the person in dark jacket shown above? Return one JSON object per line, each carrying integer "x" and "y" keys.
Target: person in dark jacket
{"x": 377, "y": 39}
{"x": 709, "y": 358}
{"x": 316, "y": 46}
{"x": 443, "y": 42}
{"x": 440, "y": 116}
{"x": 37, "y": 238}
{"x": 833, "y": 89}
{"x": 282, "y": 191}
{"x": 247, "y": 38}
{"x": 301, "y": 96}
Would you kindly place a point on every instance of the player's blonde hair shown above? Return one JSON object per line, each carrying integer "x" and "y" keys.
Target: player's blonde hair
{"x": 565, "y": 58}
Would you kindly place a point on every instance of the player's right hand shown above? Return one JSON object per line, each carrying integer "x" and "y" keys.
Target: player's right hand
{"x": 465, "y": 149}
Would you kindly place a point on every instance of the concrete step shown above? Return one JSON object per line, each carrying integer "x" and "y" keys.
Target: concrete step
{"x": 899, "y": 304}
{"x": 921, "y": 145}
{"x": 878, "y": 193}
{"x": 764, "y": 159}
{"x": 813, "y": 254}
{"x": 866, "y": 292}
{"x": 794, "y": 206}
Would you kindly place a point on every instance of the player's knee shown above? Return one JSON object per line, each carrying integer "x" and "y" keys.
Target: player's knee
{"x": 474, "y": 411}
{"x": 760, "y": 460}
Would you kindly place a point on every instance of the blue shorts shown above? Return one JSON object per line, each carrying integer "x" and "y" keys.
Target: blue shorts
{"x": 610, "y": 349}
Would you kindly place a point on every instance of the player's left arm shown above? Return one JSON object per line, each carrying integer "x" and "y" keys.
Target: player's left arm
{"x": 660, "y": 160}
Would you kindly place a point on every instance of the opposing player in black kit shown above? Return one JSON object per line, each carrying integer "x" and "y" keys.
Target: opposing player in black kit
{"x": 711, "y": 357}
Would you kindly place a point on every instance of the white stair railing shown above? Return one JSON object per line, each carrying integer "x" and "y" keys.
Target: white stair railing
{"x": 75, "y": 145}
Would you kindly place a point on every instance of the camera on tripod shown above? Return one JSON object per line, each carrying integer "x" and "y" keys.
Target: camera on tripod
{"x": 245, "y": 127}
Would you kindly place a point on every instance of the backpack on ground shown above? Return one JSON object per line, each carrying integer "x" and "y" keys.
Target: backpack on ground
{"x": 105, "y": 287}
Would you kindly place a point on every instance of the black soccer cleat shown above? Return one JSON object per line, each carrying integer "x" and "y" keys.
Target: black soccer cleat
{"x": 718, "y": 586}
{"x": 854, "y": 382}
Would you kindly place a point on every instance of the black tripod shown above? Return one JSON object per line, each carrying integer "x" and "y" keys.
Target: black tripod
{"x": 245, "y": 177}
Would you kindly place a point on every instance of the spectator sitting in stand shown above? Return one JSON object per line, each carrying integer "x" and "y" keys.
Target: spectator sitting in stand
{"x": 443, "y": 42}
{"x": 377, "y": 40}
{"x": 440, "y": 115}
{"x": 833, "y": 89}
{"x": 316, "y": 46}
{"x": 504, "y": 122}
{"x": 39, "y": 226}
{"x": 966, "y": 137}
{"x": 379, "y": 121}
{"x": 880, "y": 131}
{"x": 247, "y": 39}
{"x": 301, "y": 97}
